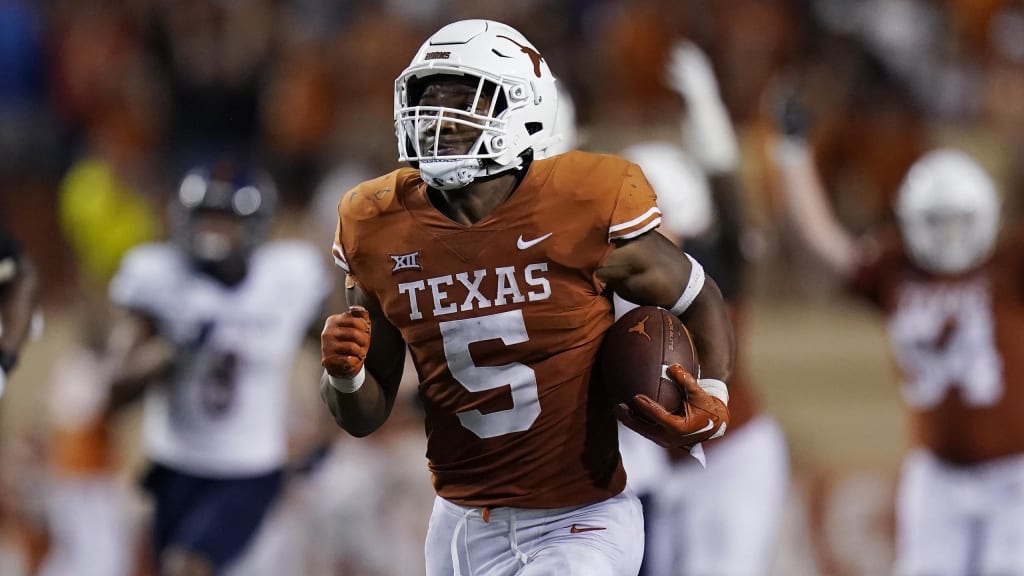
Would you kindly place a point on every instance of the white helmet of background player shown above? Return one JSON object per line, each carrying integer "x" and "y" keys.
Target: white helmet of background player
{"x": 237, "y": 192}
{"x": 684, "y": 196}
{"x": 948, "y": 210}
{"x": 508, "y": 70}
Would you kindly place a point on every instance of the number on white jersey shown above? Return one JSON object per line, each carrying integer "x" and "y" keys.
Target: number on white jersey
{"x": 219, "y": 386}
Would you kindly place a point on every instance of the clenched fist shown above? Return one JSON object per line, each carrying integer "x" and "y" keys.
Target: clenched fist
{"x": 345, "y": 342}
{"x": 702, "y": 416}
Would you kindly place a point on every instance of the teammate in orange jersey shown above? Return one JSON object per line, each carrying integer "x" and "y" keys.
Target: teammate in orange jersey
{"x": 493, "y": 268}
{"x": 954, "y": 303}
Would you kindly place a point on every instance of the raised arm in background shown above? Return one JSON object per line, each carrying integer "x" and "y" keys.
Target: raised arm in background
{"x": 805, "y": 200}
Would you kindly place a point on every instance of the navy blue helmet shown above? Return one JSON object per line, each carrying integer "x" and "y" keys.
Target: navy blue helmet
{"x": 208, "y": 202}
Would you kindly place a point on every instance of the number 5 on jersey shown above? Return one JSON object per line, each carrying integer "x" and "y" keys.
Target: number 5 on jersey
{"x": 510, "y": 328}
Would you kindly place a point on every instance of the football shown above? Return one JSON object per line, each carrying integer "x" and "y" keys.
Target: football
{"x": 636, "y": 352}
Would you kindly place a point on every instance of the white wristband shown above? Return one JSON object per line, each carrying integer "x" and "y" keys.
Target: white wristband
{"x": 348, "y": 385}
{"x": 693, "y": 288}
{"x": 715, "y": 388}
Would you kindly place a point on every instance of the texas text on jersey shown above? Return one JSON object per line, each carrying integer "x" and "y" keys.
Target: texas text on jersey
{"x": 504, "y": 338}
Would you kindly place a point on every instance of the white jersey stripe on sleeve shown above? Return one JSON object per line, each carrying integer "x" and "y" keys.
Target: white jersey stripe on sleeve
{"x": 635, "y": 227}
{"x": 633, "y": 234}
{"x": 639, "y": 219}
{"x": 339, "y": 258}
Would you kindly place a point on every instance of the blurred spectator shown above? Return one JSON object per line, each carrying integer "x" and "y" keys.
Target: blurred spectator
{"x": 213, "y": 57}
{"x": 26, "y": 131}
{"x": 19, "y": 288}
{"x": 102, "y": 219}
{"x": 868, "y": 105}
{"x": 365, "y": 73}
{"x": 751, "y": 40}
{"x": 298, "y": 115}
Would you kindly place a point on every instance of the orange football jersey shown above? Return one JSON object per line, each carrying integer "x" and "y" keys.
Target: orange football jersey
{"x": 959, "y": 346}
{"x": 503, "y": 320}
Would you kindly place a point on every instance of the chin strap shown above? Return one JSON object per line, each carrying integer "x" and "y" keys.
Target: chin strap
{"x": 458, "y": 173}
{"x": 449, "y": 174}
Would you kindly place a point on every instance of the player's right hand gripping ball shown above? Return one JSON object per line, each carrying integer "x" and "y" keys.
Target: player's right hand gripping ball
{"x": 701, "y": 417}
{"x": 646, "y": 363}
{"x": 345, "y": 342}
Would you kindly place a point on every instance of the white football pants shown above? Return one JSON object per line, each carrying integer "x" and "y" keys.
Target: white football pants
{"x": 601, "y": 539}
{"x": 722, "y": 520}
{"x": 89, "y": 526}
{"x": 960, "y": 520}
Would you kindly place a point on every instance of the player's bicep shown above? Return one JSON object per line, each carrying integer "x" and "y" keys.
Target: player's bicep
{"x": 647, "y": 270}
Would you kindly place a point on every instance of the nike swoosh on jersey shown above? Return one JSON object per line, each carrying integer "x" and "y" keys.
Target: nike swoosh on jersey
{"x": 524, "y": 244}
{"x": 574, "y": 529}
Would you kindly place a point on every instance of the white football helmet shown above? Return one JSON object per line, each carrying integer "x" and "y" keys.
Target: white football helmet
{"x": 563, "y": 136}
{"x": 508, "y": 70}
{"x": 684, "y": 195}
{"x": 948, "y": 209}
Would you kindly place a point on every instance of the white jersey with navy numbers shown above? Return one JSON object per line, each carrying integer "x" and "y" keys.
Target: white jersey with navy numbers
{"x": 223, "y": 410}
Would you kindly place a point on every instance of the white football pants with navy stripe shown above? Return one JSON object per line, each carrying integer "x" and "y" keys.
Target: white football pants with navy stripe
{"x": 601, "y": 539}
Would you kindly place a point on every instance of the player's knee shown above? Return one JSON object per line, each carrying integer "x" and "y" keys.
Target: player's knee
{"x": 180, "y": 562}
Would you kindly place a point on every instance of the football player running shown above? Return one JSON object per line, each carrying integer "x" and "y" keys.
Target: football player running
{"x": 953, "y": 298}
{"x": 209, "y": 328}
{"x": 493, "y": 268}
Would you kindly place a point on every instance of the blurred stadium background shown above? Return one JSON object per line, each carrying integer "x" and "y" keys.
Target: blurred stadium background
{"x": 104, "y": 102}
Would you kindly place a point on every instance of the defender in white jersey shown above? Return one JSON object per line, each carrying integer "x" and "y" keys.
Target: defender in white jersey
{"x": 212, "y": 326}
